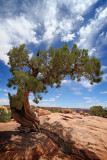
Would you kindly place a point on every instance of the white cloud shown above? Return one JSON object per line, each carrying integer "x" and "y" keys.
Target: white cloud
{"x": 30, "y": 55}
{"x": 104, "y": 92}
{"x": 92, "y": 51}
{"x": 5, "y": 90}
{"x": 31, "y": 102}
{"x": 103, "y": 67}
{"x": 66, "y": 82}
{"x": 102, "y": 13}
{"x": 88, "y": 33}
{"x": 49, "y": 100}
{"x": 22, "y": 30}
{"x": 86, "y": 84}
{"x": 43, "y": 104}
{"x": 77, "y": 7}
{"x": 58, "y": 95}
{"x": 47, "y": 105}
{"x": 105, "y": 77}
{"x": 4, "y": 101}
{"x": 90, "y": 100}
{"x": 80, "y": 18}
{"x": 68, "y": 37}
{"x": 86, "y": 98}
{"x": 76, "y": 86}
{"x": 11, "y": 91}
{"x": 65, "y": 26}
{"x": 50, "y": 30}
{"x": 42, "y": 22}
{"x": 76, "y": 91}
{"x": 15, "y": 32}
{"x": 102, "y": 39}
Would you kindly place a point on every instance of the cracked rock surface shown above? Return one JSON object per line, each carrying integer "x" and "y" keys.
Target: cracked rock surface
{"x": 62, "y": 136}
{"x": 82, "y": 136}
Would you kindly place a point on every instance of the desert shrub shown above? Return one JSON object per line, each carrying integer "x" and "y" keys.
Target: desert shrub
{"x": 32, "y": 107}
{"x": 4, "y": 116}
{"x": 66, "y": 149}
{"x": 97, "y": 111}
{"x": 53, "y": 110}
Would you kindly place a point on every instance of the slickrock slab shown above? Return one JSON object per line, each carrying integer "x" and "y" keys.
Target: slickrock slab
{"x": 84, "y": 137}
{"x": 15, "y": 145}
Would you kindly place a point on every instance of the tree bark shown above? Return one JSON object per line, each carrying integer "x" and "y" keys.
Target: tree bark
{"x": 26, "y": 117}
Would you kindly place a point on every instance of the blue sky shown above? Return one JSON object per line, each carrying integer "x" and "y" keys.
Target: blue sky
{"x": 40, "y": 24}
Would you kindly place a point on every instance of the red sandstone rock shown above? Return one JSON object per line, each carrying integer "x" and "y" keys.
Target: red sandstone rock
{"x": 32, "y": 146}
{"x": 42, "y": 112}
{"x": 82, "y": 135}
{"x": 83, "y": 138}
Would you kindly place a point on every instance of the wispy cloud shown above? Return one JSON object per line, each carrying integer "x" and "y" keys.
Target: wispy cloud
{"x": 49, "y": 100}
{"x": 105, "y": 77}
{"x": 4, "y": 101}
{"x": 76, "y": 86}
{"x": 66, "y": 82}
{"x": 92, "y": 29}
{"x": 103, "y": 67}
{"x": 103, "y": 92}
{"x": 52, "y": 99}
{"x": 76, "y": 91}
{"x": 42, "y": 104}
{"x": 68, "y": 37}
{"x": 47, "y": 105}
{"x": 86, "y": 98}
{"x": 19, "y": 27}
{"x": 5, "y": 90}
{"x": 15, "y": 32}
{"x": 86, "y": 84}
{"x": 10, "y": 90}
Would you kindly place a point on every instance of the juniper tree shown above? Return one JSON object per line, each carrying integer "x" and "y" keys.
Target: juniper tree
{"x": 46, "y": 68}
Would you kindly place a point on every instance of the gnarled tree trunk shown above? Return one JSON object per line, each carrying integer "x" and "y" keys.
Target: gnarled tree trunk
{"x": 26, "y": 117}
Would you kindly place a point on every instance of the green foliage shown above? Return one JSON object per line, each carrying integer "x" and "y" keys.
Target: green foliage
{"x": 97, "y": 111}
{"x": 66, "y": 149}
{"x": 18, "y": 99}
{"x": 32, "y": 108}
{"x": 4, "y": 116}
{"x": 49, "y": 67}
{"x": 53, "y": 110}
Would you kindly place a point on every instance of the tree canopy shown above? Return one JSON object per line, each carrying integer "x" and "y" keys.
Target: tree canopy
{"x": 97, "y": 111}
{"x": 49, "y": 67}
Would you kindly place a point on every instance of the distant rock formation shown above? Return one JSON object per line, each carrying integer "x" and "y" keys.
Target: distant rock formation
{"x": 41, "y": 112}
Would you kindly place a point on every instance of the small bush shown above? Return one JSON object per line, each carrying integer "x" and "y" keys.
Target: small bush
{"x": 97, "y": 111}
{"x": 53, "y": 110}
{"x": 4, "y": 116}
